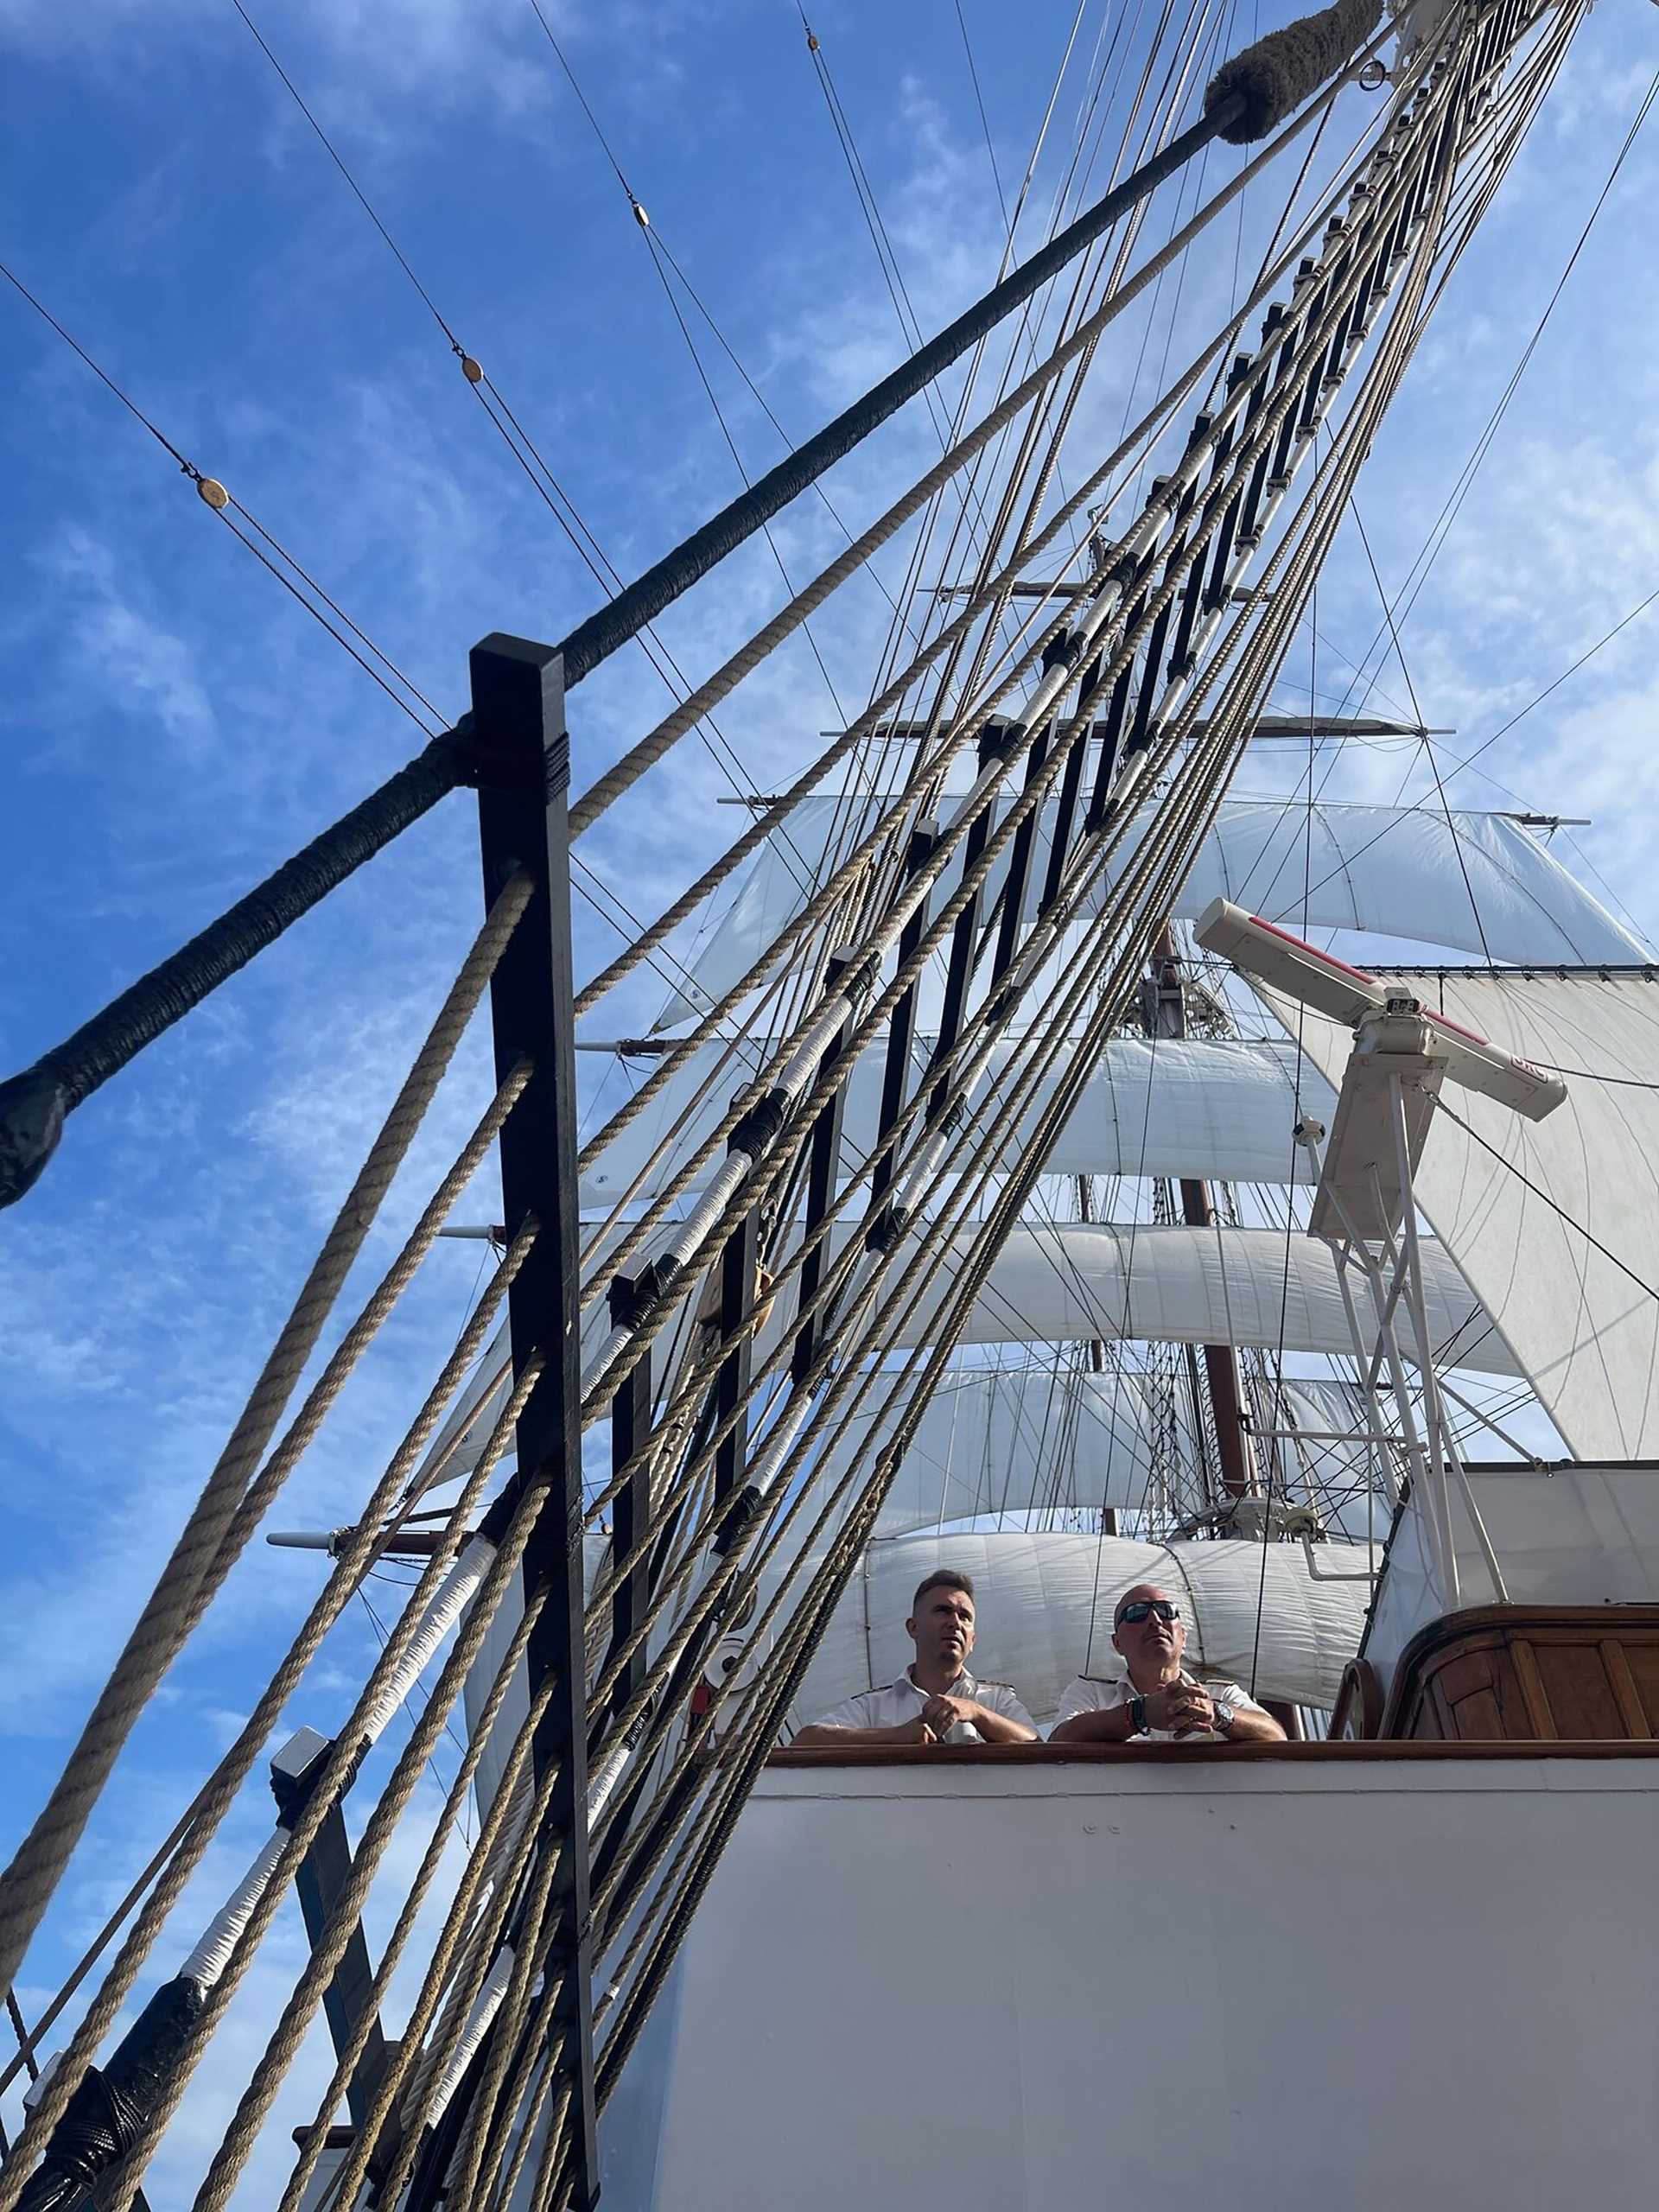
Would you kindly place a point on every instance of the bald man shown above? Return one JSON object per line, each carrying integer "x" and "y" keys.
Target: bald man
{"x": 1155, "y": 1700}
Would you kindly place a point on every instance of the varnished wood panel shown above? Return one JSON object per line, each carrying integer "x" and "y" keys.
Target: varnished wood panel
{"x": 1625, "y": 1693}
{"x": 1583, "y": 1701}
{"x": 1523, "y": 1674}
{"x": 1643, "y": 1660}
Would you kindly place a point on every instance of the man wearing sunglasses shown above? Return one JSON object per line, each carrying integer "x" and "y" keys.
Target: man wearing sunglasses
{"x": 935, "y": 1700}
{"x": 1154, "y": 1699}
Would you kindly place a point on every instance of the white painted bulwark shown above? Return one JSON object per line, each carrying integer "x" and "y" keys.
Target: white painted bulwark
{"x": 1264, "y": 1985}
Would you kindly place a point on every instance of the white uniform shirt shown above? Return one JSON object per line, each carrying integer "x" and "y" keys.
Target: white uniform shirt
{"x": 1099, "y": 1692}
{"x": 902, "y": 1700}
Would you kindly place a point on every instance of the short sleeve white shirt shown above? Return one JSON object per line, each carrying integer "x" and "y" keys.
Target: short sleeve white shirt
{"x": 1099, "y": 1692}
{"x": 902, "y": 1700}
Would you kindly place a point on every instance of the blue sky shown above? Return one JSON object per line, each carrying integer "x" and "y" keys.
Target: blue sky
{"x": 175, "y": 725}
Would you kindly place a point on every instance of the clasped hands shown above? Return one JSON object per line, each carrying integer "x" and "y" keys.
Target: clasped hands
{"x": 938, "y": 1717}
{"x": 1183, "y": 1709}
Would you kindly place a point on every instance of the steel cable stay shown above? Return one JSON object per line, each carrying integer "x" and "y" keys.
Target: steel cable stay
{"x": 33, "y": 1112}
{"x": 1213, "y": 506}
{"x": 516, "y": 438}
{"x": 1544, "y": 67}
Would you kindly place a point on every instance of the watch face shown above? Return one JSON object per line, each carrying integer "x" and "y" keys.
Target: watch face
{"x": 1225, "y": 1714}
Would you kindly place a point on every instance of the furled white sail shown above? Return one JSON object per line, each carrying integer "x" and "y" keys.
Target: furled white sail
{"x": 1565, "y": 1266}
{"x": 1013, "y": 1441}
{"x": 1162, "y": 1106}
{"x": 1045, "y": 1605}
{"x": 1074, "y": 1281}
{"x": 1398, "y": 871}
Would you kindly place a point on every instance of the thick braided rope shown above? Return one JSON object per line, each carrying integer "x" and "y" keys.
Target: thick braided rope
{"x": 880, "y": 837}
{"x": 608, "y": 788}
{"x": 37, "y": 1867}
{"x": 357, "y": 2043}
{"x": 516, "y": 1821}
{"x": 367, "y": 1541}
{"x": 335, "y": 1780}
{"x": 330, "y": 1946}
{"x": 481, "y": 1944}
{"x": 1264, "y": 650}
{"x": 468, "y": 1952}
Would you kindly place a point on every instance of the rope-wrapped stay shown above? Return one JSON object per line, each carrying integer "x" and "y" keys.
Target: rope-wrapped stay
{"x": 1252, "y": 93}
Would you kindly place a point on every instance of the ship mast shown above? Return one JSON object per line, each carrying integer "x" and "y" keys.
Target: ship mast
{"x": 1164, "y": 1014}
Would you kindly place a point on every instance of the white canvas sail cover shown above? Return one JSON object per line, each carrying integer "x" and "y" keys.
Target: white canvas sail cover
{"x": 1078, "y": 1282}
{"x": 1074, "y": 1281}
{"x": 1045, "y": 1605}
{"x": 1016, "y": 1441}
{"x": 1563, "y": 1267}
{"x": 1583, "y": 1536}
{"x": 1397, "y": 871}
{"x": 1167, "y": 1106}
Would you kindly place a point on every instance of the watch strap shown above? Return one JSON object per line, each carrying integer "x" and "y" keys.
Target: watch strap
{"x": 1137, "y": 1715}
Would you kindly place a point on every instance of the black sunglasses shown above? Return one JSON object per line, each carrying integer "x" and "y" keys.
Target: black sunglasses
{"x": 1166, "y": 1609}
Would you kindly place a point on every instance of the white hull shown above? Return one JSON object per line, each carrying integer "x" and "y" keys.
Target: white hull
{"x": 1363, "y": 1981}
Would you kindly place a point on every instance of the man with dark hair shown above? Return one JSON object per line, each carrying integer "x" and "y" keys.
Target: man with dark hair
{"x": 935, "y": 1700}
{"x": 1154, "y": 1697}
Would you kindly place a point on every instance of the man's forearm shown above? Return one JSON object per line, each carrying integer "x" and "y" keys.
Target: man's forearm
{"x": 1002, "y": 1728}
{"x": 1106, "y": 1724}
{"x": 1253, "y": 1728}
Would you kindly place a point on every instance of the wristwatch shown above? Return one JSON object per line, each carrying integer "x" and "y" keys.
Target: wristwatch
{"x": 1225, "y": 1716}
{"x": 1137, "y": 1716}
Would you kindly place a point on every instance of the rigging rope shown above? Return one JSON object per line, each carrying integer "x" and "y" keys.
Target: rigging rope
{"x": 200, "y": 1557}
{"x": 519, "y": 2068}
